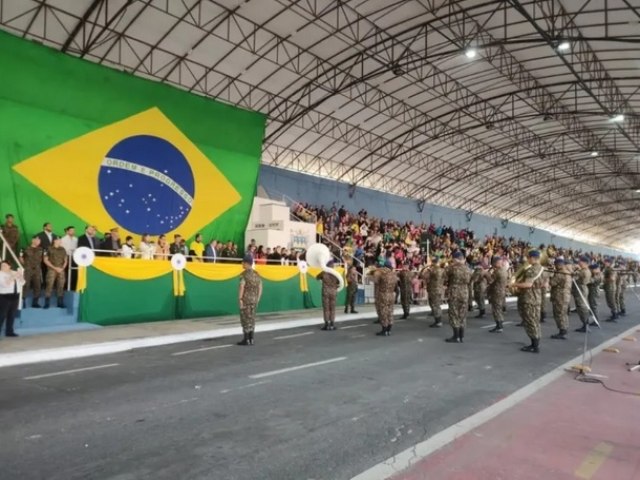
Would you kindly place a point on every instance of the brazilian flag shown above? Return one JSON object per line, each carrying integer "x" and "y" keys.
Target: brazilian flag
{"x": 84, "y": 144}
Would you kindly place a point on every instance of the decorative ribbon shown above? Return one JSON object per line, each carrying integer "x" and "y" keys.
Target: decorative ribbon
{"x": 178, "y": 283}
{"x": 81, "y": 284}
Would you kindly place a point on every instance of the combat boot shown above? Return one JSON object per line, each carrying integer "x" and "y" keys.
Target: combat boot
{"x": 47, "y": 302}
{"x": 346, "y": 310}
{"x": 35, "y": 303}
{"x": 388, "y": 332}
{"x": 383, "y": 332}
{"x": 61, "y": 302}
{"x": 623, "y": 312}
{"x": 561, "y": 335}
{"x": 353, "y": 310}
{"x": 404, "y": 316}
{"x": 481, "y": 314}
{"x": 534, "y": 347}
{"x": 325, "y": 327}
{"x": 332, "y": 326}
{"x": 455, "y": 337}
{"x": 583, "y": 329}
{"x": 498, "y": 328}
{"x": 613, "y": 318}
{"x": 461, "y": 335}
{"x": 543, "y": 317}
{"x": 245, "y": 340}
{"x": 437, "y": 323}
{"x": 250, "y": 338}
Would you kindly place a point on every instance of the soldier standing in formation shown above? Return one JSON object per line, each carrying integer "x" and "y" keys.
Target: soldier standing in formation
{"x": 479, "y": 282}
{"x": 352, "y": 289}
{"x": 581, "y": 292}
{"x": 434, "y": 280}
{"x": 621, "y": 286}
{"x": 496, "y": 291}
{"x": 528, "y": 285}
{"x": 610, "y": 278}
{"x": 457, "y": 278}
{"x": 11, "y": 233}
{"x": 32, "y": 262}
{"x": 404, "y": 282}
{"x": 594, "y": 288}
{"x": 249, "y": 294}
{"x": 560, "y": 284}
{"x": 330, "y": 286}
{"x": 386, "y": 281}
{"x": 55, "y": 258}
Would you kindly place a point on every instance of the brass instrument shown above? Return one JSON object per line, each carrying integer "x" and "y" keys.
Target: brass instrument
{"x": 518, "y": 277}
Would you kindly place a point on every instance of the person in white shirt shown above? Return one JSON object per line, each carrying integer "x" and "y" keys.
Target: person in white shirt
{"x": 11, "y": 283}
{"x": 69, "y": 241}
{"x": 147, "y": 248}
{"x": 128, "y": 249}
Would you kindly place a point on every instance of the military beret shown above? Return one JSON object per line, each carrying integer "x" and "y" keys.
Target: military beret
{"x": 594, "y": 266}
{"x": 247, "y": 259}
{"x": 534, "y": 254}
{"x": 559, "y": 261}
{"x": 584, "y": 259}
{"x": 457, "y": 254}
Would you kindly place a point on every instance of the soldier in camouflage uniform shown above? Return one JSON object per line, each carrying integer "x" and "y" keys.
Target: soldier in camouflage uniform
{"x": 386, "y": 282}
{"x": 610, "y": 278}
{"x": 457, "y": 278}
{"x": 528, "y": 284}
{"x": 249, "y": 294}
{"x": 330, "y": 286}
{"x": 479, "y": 282}
{"x": 621, "y": 286}
{"x": 404, "y": 282}
{"x": 434, "y": 280}
{"x": 32, "y": 262}
{"x": 55, "y": 258}
{"x": 594, "y": 288}
{"x": 11, "y": 234}
{"x": 560, "y": 285}
{"x": 496, "y": 288}
{"x": 581, "y": 292}
{"x": 352, "y": 289}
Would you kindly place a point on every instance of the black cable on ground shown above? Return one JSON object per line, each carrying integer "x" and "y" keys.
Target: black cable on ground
{"x": 585, "y": 379}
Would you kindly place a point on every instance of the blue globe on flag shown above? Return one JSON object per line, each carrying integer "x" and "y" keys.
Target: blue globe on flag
{"x": 146, "y": 185}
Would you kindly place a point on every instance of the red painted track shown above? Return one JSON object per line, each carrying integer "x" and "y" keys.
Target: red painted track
{"x": 566, "y": 430}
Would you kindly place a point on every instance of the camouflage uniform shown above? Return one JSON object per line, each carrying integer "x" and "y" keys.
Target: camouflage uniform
{"x": 251, "y": 281}
{"x": 479, "y": 282}
{"x": 560, "y": 284}
{"x": 32, "y": 258}
{"x": 352, "y": 290}
{"x": 594, "y": 290}
{"x": 582, "y": 279}
{"x": 434, "y": 280}
{"x": 386, "y": 282}
{"x": 543, "y": 295}
{"x": 457, "y": 278}
{"x": 11, "y": 234}
{"x": 57, "y": 257}
{"x": 330, "y": 286}
{"x": 529, "y": 302}
{"x": 404, "y": 281}
{"x": 621, "y": 286}
{"x": 610, "y": 279}
{"x": 496, "y": 289}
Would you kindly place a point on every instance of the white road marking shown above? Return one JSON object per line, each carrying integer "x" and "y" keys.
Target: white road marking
{"x": 493, "y": 325}
{"x": 284, "y": 337}
{"x": 245, "y": 386}
{"x": 358, "y": 336}
{"x": 298, "y": 367}
{"x": 186, "y": 352}
{"x": 67, "y": 372}
{"x": 354, "y": 326}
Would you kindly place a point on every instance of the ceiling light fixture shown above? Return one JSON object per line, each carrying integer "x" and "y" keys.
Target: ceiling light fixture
{"x": 594, "y": 153}
{"x": 471, "y": 52}
{"x": 618, "y": 118}
{"x": 564, "y": 46}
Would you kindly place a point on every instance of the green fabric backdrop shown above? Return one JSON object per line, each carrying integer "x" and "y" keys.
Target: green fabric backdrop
{"x": 113, "y": 301}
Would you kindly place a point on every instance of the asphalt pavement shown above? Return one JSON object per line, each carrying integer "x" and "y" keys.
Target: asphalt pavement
{"x": 302, "y": 404}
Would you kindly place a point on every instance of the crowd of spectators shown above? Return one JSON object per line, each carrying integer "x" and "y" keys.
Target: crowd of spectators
{"x": 370, "y": 240}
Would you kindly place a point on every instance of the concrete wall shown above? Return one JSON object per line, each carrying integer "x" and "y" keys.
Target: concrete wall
{"x": 321, "y": 191}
